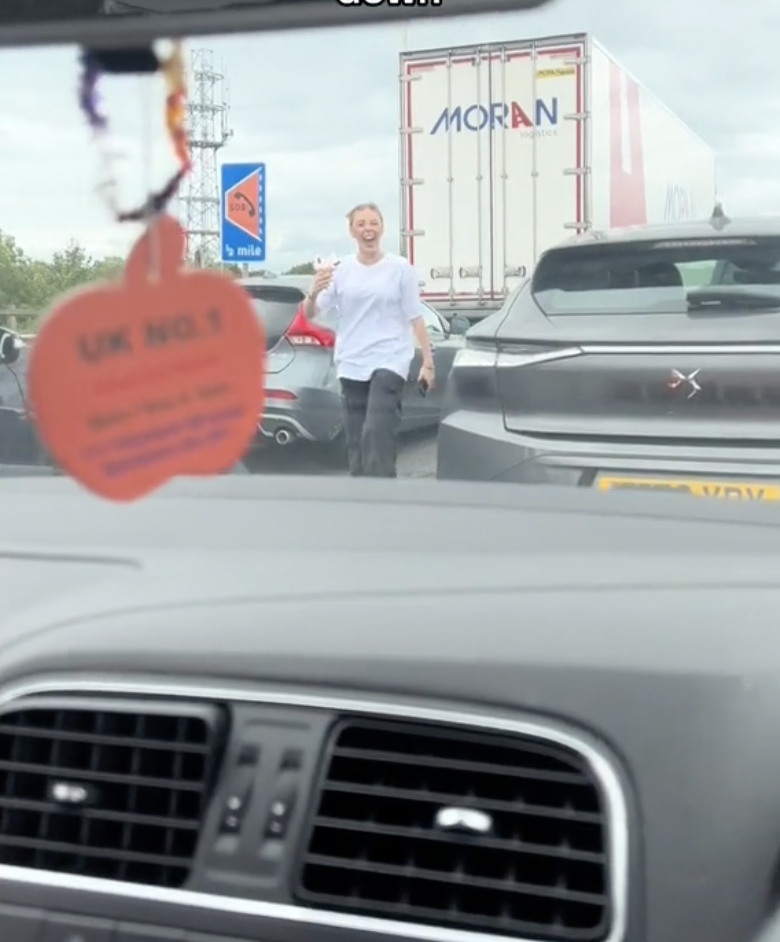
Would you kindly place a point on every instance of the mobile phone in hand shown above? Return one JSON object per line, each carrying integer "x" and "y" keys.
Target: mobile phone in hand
{"x": 422, "y": 385}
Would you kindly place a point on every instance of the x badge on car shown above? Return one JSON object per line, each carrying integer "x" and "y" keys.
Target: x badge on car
{"x": 687, "y": 380}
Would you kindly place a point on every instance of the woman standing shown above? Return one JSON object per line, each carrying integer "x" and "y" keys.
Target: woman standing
{"x": 376, "y": 299}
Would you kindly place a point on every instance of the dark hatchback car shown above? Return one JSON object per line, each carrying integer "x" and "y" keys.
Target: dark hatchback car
{"x": 21, "y": 451}
{"x": 644, "y": 358}
{"x": 20, "y": 448}
{"x": 302, "y": 391}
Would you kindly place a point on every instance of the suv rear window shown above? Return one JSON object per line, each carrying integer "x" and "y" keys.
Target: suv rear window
{"x": 659, "y": 277}
{"x": 275, "y": 306}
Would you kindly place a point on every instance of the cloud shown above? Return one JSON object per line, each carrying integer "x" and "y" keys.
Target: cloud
{"x": 309, "y": 197}
{"x": 321, "y": 110}
{"x": 313, "y": 90}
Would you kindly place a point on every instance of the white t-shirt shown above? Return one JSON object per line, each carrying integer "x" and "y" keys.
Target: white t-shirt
{"x": 373, "y": 307}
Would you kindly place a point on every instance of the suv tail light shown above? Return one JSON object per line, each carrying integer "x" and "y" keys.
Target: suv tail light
{"x": 302, "y": 333}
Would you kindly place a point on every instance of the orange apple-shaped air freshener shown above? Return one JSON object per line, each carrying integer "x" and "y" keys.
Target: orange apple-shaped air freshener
{"x": 155, "y": 376}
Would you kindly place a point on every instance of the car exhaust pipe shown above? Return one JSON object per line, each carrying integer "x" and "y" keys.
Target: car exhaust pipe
{"x": 283, "y": 436}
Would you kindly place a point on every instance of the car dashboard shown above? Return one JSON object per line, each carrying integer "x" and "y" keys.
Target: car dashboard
{"x": 281, "y": 710}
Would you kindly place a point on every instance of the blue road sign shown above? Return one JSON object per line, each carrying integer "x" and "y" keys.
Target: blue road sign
{"x": 242, "y": 213}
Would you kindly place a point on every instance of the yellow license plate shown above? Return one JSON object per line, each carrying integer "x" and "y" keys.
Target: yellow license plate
{"x": 729, "y": 490}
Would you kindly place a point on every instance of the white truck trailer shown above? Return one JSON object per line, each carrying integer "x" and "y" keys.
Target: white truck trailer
{"x": 507, "y": 149}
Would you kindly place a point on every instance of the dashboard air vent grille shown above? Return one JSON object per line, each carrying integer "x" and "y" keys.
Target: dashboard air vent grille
{"x": 471, "y": 831}
{"x": 107, "y": 792}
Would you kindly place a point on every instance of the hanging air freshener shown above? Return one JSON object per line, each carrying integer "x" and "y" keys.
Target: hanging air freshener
{"x": 161, "y": 373}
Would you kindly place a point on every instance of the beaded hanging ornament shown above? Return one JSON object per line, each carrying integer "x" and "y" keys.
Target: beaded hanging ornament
{"x": 157, "y": 373}
{"x": 97, "y": 63}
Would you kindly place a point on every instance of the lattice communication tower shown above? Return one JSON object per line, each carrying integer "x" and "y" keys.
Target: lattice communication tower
{"x": 209, "y": 130}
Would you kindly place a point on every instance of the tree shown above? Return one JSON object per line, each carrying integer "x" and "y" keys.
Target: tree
{"x": 109, "y": 268}
{"x": 70, "y": 268}
{"x": 28, "y": 286}
{"x": 305, "y": 268}
{"x": 17, "y": 288}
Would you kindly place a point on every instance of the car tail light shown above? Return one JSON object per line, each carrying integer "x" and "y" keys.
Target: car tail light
{"x": 303, "y": 333}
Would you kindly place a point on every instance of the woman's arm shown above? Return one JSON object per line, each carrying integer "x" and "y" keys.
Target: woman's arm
{"x": 424, "y": 341}
{"x": 412, "y": 305}
{"x": 322, "y": 295}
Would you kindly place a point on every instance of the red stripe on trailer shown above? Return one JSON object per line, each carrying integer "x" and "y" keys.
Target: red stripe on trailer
{"x": 627, "y": 200}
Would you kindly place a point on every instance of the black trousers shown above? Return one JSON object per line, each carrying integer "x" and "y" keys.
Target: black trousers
{"x": 372, "y": 415}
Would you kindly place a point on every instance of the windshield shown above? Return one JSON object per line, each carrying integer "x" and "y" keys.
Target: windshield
{"x": 658, "y": 277}
{"x": 276, "y": 307}
{"x": 523, "y": 254}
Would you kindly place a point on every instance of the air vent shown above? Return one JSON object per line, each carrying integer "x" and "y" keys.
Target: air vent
{"x": 107, "y": 792}
{"x": 462, "y": 830}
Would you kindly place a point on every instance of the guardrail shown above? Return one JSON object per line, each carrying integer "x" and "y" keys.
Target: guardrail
{"x": 19, "y": 322}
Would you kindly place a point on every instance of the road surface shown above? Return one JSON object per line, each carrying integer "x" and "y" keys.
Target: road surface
{"x": 416, "y": 458}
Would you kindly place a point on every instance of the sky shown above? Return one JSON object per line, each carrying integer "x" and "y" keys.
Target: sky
{"x": 320, "y": 108}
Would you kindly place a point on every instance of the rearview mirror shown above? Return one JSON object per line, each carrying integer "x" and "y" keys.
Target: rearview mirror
{"x": 131, "y": 22}
{"x": 459, "y": 324}
{"x": 10, "y": 346}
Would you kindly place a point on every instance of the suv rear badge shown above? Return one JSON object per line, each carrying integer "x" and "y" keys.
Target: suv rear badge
{"x": 686, "y": 381}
